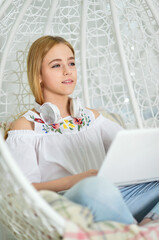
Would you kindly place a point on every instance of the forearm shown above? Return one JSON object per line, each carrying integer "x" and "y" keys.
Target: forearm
{"x": 58, "y": 185}
{"x": 64, "y": 183}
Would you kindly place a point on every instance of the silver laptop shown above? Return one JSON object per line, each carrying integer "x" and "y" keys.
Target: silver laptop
{"x": 133, "y": 157}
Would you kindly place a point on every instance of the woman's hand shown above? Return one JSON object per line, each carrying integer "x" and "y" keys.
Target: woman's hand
{"x": 90, "y": 173}
{"x": 78, "y": 177}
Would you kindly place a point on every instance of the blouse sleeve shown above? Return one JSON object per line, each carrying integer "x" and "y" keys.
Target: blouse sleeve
{"x": 23, "y": 149}
{"x": 109, "y": 130}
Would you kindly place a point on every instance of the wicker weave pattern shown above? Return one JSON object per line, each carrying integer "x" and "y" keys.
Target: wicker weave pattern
{"x": 104, "y": 79}
{"x": 20, "y": 211}
{"x": 108, "y": 83}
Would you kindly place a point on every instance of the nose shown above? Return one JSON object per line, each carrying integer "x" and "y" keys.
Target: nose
{"x": 66, "y": 70}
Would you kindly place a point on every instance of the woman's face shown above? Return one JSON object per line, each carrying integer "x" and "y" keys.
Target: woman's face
{"x": 58, "y": 72}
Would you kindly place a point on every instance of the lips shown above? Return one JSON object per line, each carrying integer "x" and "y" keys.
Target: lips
{"x": 68, "y": 81}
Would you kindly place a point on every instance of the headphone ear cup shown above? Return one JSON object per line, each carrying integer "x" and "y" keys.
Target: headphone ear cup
{"x": 50, "y": 113}
{"x": 75, "y": 108}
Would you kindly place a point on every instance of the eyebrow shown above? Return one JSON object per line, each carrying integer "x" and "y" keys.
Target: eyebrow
{"x": 59, "y": 60}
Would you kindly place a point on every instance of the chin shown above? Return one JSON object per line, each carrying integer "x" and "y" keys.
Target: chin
{"x": 68, "y": 91}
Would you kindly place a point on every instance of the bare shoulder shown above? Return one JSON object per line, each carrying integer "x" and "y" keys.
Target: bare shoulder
{"x": 22, "y": 124}
{"x": 96, "y": 113}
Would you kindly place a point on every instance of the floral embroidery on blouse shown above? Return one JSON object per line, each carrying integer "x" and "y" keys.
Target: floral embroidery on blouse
{"x": 65, "y": 124}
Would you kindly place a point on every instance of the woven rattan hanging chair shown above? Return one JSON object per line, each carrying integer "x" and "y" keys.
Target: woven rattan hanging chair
{"x": 117, "y": 58}
{"x": 23, "y": 211}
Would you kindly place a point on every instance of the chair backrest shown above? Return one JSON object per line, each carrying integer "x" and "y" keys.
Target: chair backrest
{"x": 22, "y": 210}
{"x": 117, "y": 53}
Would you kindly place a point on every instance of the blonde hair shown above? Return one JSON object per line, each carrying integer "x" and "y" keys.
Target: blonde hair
{"x": 36, "y": 54}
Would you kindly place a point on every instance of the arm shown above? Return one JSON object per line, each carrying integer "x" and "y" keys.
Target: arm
{"x": 96, "y": 113}
{"x": 64, "y": 183}
{"x": 108, "y": 128}
{"x": 22, "y": 124}
{"x": 29, "y": 166}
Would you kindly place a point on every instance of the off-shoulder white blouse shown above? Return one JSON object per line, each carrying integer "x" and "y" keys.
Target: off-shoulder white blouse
{"x": 70, "y": 147}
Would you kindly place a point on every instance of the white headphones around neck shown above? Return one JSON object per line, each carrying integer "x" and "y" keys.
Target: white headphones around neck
{"x": 51, "y": 114}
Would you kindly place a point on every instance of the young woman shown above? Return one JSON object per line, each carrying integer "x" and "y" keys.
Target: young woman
{"x": 60, "y": 145}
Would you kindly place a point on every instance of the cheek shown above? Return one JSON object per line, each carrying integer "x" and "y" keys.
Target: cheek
{"x": 75, "y": 74}
{"x": 48, "y": 77}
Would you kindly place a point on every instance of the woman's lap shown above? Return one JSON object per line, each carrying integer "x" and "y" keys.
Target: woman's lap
{"x": 102, "y": 198}
{"x": 107, "y": 203}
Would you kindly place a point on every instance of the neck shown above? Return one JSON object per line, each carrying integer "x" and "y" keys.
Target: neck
{"x": 62, "y": 102}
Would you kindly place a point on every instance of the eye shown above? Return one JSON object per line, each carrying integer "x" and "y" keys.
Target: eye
{"x": 56, "y": 66}
{"x": 72, "y": 64}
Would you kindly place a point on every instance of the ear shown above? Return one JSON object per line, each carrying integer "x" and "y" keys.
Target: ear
{"x": 40, "y": 80}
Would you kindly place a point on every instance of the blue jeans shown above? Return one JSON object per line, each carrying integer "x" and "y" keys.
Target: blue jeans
{"x": 107, "y": 203}
{"x": 141, "y": 198}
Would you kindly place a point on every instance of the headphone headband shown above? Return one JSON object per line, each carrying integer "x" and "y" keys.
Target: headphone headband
{"x": 51, "y": 114}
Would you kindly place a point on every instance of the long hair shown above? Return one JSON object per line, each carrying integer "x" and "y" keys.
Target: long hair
{"x": 36, "y": 54}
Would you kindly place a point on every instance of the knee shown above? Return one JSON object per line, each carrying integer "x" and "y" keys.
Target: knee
{"x": 95, "y": 188}
{"x": 102, "y": 198}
